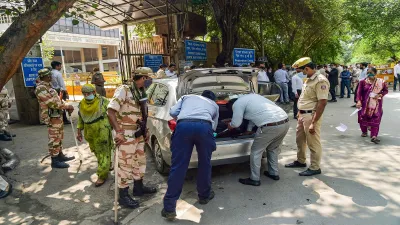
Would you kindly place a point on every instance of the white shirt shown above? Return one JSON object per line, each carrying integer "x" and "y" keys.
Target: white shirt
{"x": 258, "y": 110}
{"x": 281, "y": 76}
{"x": 363, "y": 74}
{"x": 170, "y": 74}
{"x": 196, "y": 107}
{"x": 396, "y": 69}
{"x": 297, "y": 83}
{"x": 57, "y": 81}
{"x": 262, "y": 76}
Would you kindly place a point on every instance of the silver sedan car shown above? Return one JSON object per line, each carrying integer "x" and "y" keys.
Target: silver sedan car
{"x": 226, "y": 83}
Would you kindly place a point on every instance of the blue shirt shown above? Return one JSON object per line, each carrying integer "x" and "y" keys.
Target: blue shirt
{"x": 258, "y": 110}
{"x": 345, "y": 75}
{"x": 196, "y": 107}
{"x": 281, "y": 76}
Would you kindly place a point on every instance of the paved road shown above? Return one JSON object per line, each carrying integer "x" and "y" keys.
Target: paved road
{"x": 360, "y": 183}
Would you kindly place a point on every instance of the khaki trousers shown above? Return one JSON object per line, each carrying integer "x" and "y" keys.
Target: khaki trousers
{"x": 304, "y": 139}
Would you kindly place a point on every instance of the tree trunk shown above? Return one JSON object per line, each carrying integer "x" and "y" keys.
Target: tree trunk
{"x": 227, "y": 15}
{"x": 25, "y": 31}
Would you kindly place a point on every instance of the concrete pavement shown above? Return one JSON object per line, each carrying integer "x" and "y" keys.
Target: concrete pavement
{"x": 359, "y": 183}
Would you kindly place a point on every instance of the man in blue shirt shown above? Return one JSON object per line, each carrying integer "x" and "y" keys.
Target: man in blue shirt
{"x": 197, "y": 118}
{"x": 346, "y": 81}
{"x": 282, "y": 79}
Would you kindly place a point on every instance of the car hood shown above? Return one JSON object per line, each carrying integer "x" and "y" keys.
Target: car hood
{"x": 217, "y": 79}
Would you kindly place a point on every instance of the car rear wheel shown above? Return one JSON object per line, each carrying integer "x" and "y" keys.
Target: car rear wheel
{"x": 161, "y": 165}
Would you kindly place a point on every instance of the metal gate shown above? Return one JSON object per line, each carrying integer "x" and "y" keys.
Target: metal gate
{"x": 133, "y": 57}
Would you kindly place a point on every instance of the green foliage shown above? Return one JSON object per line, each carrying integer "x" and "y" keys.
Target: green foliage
{"x": 144, "y": 30}
{"x": 47, "y": 49}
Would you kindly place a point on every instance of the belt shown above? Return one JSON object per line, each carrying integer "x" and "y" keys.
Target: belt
{"x": 194, "y": 120}
{"x": 130, "y": 127}
{"x": 275, "y": 123}
{"x": 306, "y": 111}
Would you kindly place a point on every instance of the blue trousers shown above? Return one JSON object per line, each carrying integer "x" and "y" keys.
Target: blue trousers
{"x": 186, "y": 135}
{"x": 345, "y": 84}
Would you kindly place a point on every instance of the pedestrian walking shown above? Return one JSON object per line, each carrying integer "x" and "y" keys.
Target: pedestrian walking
{"x": 346, "y": 82}
{"x": 94, "y": 122}
{"x": 271, "y": 123}
{"x": 370, "y": 99}
{"x": 282, "y": 79}
{"x": 396, "y": 74}
{"x": 5, "y": 104}
{"x": 197, "y": 118}
{"x": 58, "y": 84}
{"x": 98, "y": 80}
{"x": 51, "y": 110}
{"x": 297, "y": 84}
{"x": 333, "y": 78}
{"x": 311, "y": 105}
{"x": 127, "y": 112}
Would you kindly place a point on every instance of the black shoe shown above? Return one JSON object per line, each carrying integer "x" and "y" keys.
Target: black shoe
{"x": 169, "y": 215}
{"x": 249, "y": 181}
{"x": 67, "y": 122}
{"x": 206, "y": 200}
{"x": 139, "y": 189}
{"x": 64, "y": 158}
{"x": 309, "y": 172}
{"x": 7, "y": 192}
{"x": 353, "y": 106}
{"x": 333, "y": 100}
{"x": 4, "y": 137}
{"x": 341, "y": 97}
{"x": 56, "y": 163}
{"x": 348, "y": 97}
{"x": 125, "y": 200}
{"x": 296, "y": 164}
{"x": 9, "y": 134}
{"x": 273, "y": 177}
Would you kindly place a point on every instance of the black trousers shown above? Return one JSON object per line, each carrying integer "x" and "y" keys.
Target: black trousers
{"x": 355, "y": 93}
{"x": 333, "y": 93}
{"x": 295, "y": 109}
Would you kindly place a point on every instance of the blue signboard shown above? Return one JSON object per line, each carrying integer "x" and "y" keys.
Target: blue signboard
{"x": 153, "y": 61}
{"x": 243, "y": 56}
{"x": 195, "y": 50}
{"x": 30, "y": 69}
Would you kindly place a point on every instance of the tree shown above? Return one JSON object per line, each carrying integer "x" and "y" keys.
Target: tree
{"x": 32, "y": 18}
{"x": 227, "y": 15}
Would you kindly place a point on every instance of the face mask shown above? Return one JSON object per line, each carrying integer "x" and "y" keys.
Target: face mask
{"x": 147, "y": 83}
{"x": 90, "y": 97}
{"x": 371, "y": 75}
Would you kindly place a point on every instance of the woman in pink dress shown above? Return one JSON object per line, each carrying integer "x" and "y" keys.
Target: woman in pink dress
{"x": 369, "y": 99}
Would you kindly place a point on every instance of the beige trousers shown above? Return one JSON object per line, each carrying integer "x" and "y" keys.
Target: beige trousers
{"x": 313, "y": 141}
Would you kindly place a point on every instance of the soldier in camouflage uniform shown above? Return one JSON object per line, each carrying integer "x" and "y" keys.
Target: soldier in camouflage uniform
{"x": 51, "y": 110}
{"x": 125, "y": 112}
{"x": 4, "y": 105}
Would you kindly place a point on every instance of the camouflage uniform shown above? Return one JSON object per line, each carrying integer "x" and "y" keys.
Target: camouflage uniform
{"x": 4, "y": 101}
{"x": 131, "y": 156}
{"x": 51, "y": 114}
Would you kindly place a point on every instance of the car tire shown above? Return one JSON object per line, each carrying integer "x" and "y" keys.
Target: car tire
{"x": 161, "y": 166}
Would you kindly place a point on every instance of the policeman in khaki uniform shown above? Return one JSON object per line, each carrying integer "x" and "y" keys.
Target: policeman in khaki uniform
{"x": 311, "y": 105}
{"x": 127, "y": 112}
{"x": 51, "y": 113}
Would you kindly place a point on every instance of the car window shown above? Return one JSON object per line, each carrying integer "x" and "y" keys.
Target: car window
{"x": 159, "y": 96}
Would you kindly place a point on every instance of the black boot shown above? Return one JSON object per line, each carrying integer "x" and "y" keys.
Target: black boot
{"x": 4, "y": 137}
{"x": 56, "y": 163}
{"x": 64, "y": 158}
{"x": 139, "y": 189}
{"x": 9, "y": 134}
{"x": 125, "y": 200}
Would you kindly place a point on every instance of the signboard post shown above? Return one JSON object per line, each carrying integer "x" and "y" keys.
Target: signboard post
{"x": 195, "y": 50}
{"x": 30, "y": 69}
{"x": 153, "y": 62}
{"x": 243, "y": 56}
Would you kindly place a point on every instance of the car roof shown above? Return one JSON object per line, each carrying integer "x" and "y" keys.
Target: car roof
{"x": 173, "y": 82}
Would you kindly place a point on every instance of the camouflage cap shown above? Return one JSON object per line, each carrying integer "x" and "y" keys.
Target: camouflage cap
{"x": 143, "y": 71}
{"x": 44, "y": 72}
{"x": 301, "y": 62}
{"x": 88, "y": 88}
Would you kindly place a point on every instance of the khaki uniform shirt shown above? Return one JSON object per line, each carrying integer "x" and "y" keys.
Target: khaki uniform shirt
{"x": 315, "y": 88}
{"x": 49, "y": 101}
{"x": 161, "y": 74}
